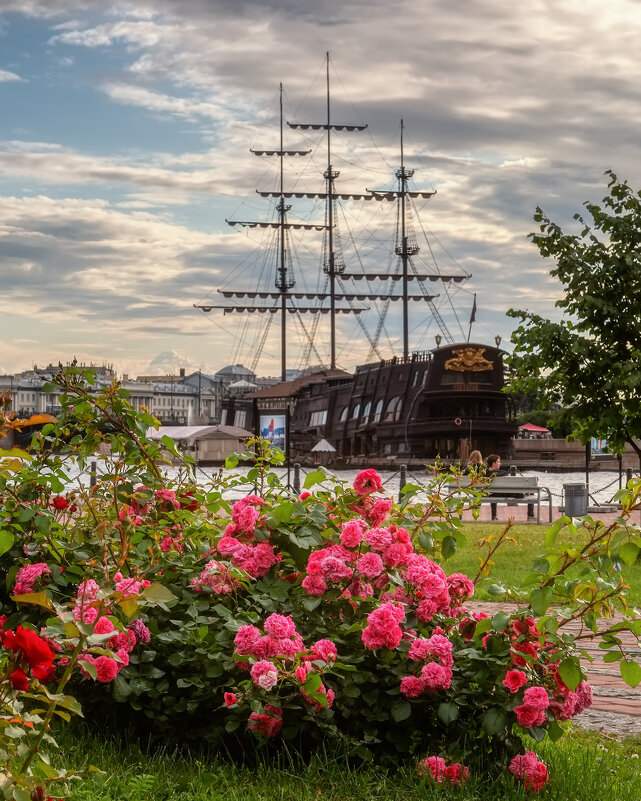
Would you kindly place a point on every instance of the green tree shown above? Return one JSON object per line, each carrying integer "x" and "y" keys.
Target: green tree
{"x": 590, "y": 361}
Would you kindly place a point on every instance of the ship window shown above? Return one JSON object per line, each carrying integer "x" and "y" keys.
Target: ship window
{"x": 377, "y": 411}
{"x": 366, "y": 411}
{"x": 318, "y": 418}
{"x": 356, "y": 412}
{"x": 393, "y": 410}
{"x": 343, "y": 416}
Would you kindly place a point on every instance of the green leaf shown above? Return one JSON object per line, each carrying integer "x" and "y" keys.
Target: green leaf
{"x": 36, "y": 598}
{"x": 630, "y": 672}
{"x": 312, "y": 683}
{"x": 541, "y": 566}
{"x": 540, "y": 599}
{"x": 494, "y": 721}
{"x": 157, "y": 593}
{"x": 612, "y": 656}
{"x": 570, "y": 672}
{"x": 425, "y": 541}
{"x": 448, "y": 713}
{"x": 448, "y": 547}
{"x": 315, "y": 477}
{"x": 500, "y": 621}
{"x": 555, "y": 731}
{"x": 311, "y": 602}
{"x": 629, "y": 553}
{"x": 483, "y": 626}
{"x": 401, "y": 710}
{"x": 6, "y": 541}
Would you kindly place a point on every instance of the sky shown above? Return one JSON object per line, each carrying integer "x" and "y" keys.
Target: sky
{"x": 125, "y": 140}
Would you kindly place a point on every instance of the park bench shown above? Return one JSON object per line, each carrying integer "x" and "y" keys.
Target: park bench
{"x": 514, "y": 490}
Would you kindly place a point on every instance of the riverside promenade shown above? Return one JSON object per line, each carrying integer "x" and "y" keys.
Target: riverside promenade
{"x": 617, "y": 707}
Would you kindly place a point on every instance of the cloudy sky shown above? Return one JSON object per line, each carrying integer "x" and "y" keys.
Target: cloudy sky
{"x": 124, "y": 146}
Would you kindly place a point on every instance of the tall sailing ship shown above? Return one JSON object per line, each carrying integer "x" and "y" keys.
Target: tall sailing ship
{"x": 416, "y": 405}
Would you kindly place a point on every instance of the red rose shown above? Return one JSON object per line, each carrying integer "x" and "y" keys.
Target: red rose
{"x": 35, "y": 650}
{"x": 59, "y": 502}
{"x": 230, "y": 699}
{"x": 19, "y": 680}
{"x": 187, "y": 501}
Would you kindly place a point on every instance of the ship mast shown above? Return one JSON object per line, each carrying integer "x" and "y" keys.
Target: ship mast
{"x": 332, "y": 268}
{"x": 284, "y": 279}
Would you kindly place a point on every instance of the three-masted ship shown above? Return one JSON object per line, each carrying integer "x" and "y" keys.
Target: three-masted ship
{"x": 415, "y": 405}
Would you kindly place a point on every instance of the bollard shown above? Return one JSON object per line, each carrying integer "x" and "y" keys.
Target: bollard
{"x": 512, "y": 469}
{"x": 402, "y": 481}
{"x": 297, "y": 478}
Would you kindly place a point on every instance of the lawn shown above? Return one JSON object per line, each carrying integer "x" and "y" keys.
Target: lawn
{"x": 513, "y": 562}
{"x": 582, "y": 765}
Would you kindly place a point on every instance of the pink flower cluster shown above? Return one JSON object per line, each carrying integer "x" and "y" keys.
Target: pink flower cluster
{"x": 439, "y": 771}
{"x": 436, "y": 672}
{"x": 347, "y": 563}
{"x": 528, "y": 769}
{"x": 238, "y": 542}
{"x": 383, "y": 629}
{"x": 129, "y": 587}
{"x": 87, "y": 605}
{"x": 532, "y": 711}
{"x": 269, "y": 723}
{"x": 566, "y": 703}
{"x": 281, "y": 653}
{"x": 27, "y": 577}
{"x": 217, "y": 577}
{"x": 121, "y": 643}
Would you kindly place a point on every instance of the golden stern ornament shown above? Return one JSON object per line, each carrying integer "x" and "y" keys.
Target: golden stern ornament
{"x": 469, "y": 360}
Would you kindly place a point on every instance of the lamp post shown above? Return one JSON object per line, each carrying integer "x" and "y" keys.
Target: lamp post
{"x": 497, "y": 339}
{"x": 438, "y": 338}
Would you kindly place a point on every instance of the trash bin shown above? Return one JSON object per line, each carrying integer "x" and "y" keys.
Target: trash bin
{"x": 575, "y": 500}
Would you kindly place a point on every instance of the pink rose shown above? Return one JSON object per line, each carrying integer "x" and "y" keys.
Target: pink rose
{"x": 264, "y": 674}
{"x": 529, "y": 716}
{"x": 514, "y": 680}
{"x": 367, "y": 481}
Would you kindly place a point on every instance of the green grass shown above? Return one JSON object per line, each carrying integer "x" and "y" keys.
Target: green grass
{"x": 513, "y": 562}
{"x": 582, "y": 765}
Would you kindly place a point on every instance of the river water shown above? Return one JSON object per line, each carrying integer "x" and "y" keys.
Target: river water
{"x": 603, "y": 484}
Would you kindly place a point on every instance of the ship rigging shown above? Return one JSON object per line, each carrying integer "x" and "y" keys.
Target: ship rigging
{"x": 340, "y": 291}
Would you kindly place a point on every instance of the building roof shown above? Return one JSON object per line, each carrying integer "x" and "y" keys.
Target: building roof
{"x": 236, "y": 369}
{"x": 323, "y": 446}
{"x": 191, "y": 433}
{"x": 286, "y": 389}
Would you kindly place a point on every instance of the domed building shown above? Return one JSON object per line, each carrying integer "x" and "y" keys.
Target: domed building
{"x": 236, "y": 372}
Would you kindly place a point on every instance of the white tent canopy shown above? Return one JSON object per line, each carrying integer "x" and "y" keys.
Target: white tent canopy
{"x": 323, "y": 447}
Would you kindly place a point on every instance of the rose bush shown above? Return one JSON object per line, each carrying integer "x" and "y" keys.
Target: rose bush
{"x": 298, "y": 618}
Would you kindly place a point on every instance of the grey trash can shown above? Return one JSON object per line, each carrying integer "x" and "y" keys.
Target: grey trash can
{"x": 575, "y": 500}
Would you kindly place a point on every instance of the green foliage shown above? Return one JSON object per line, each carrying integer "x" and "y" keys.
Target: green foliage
{"x": 208, "y": 573}
{"x": 588, "y": 362}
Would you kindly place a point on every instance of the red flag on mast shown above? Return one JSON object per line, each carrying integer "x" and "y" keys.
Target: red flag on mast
{"x": 473, "y": 315}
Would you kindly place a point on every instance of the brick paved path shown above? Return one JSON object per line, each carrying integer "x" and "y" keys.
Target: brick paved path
{"x": 617, "y": 706}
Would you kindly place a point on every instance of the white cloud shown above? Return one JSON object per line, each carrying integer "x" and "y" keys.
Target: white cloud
{"x": 6, "y": 76}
